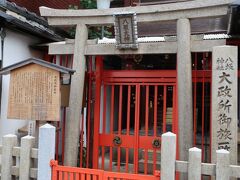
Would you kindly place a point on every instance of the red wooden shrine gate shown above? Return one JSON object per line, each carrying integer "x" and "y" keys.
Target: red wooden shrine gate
{"x": 132, "y": 110}
{"x": 201, "y": 104}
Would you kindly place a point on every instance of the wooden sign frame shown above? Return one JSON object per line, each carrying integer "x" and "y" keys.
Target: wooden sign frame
{"x": 126, "y": 34}
{"x": 34, "y": 93}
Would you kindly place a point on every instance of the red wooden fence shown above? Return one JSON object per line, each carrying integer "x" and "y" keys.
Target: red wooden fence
{"x": 73, "y": 173}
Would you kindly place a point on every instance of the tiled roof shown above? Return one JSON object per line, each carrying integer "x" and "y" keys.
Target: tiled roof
{"x": 41, "y": 62}
{"x": 165, "y": 38}
{"x": 26, "y": 21}
{"x": 33, "y": 5}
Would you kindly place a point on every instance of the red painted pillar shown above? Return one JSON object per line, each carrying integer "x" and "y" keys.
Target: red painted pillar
{"x": 99, "y": 67}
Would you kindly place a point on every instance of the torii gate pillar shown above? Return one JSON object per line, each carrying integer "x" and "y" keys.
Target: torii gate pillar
{"x": 184, "y": 83}
{"x": 76, "y": 97}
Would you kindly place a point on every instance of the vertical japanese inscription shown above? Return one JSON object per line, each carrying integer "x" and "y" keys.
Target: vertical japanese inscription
{"x": 34, "y": 93}
{"x": 126, "y": 35}
{"x": 126, "y": 31}
{"x": 224, "y": 101}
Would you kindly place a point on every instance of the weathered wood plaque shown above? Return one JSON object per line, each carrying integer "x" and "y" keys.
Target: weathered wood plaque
{"x": 224, "y": 101}
{"x": 34, "y": 93}
{"x": 65, "y": 91}
{"x": 126, "y": 31}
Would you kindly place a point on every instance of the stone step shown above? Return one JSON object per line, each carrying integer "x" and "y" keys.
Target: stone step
{"x": 169, "y": 116}
{"x": 149, "y": 162}
{"x": 141, "y": 165}
{"x": 150, "y": 155}
{"x": 149, "y": 166}
{"x": 169, "y": 109}
{"x": 169, "y": 113}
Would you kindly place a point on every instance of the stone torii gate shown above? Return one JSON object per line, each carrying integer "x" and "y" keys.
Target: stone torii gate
{"x": 182, "y": 13}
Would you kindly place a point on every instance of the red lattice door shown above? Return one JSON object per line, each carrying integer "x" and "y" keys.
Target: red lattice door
{"x": 133, "y": 109}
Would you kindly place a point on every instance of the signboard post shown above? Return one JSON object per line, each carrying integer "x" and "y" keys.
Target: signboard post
{"x": 34, "y": 91}
{"x": 224, "y": 101}
{"x": 31, "y": 128}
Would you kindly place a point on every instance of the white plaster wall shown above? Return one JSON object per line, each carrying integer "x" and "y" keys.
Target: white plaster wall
{"x": 16, "y": 48}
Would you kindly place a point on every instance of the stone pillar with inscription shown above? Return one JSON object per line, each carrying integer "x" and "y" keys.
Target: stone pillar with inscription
{"x": 224, "y": 101}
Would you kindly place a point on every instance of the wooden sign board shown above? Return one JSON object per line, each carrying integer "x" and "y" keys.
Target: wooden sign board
{"x": 65, "y": 91}
{"x": 126, "y": 31}
{"x": 34, "y": 93}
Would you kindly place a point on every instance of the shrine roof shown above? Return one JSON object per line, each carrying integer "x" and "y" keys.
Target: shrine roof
{"x": 16, "y": 17}
{"x": 61, "y": 69}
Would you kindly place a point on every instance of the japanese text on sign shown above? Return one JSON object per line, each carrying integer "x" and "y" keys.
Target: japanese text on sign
{"x": 34, "y": 94}
{"x": 126, "y": 31}
{"x": 224, "y": 101}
